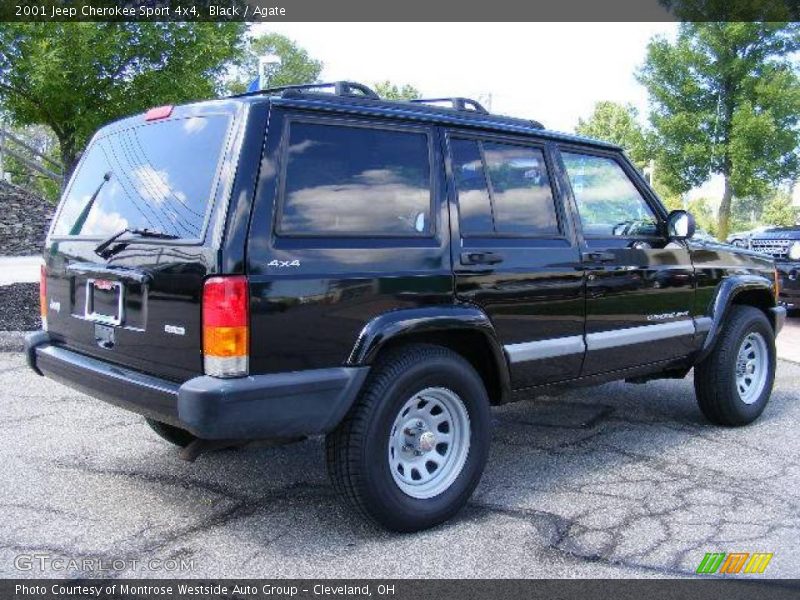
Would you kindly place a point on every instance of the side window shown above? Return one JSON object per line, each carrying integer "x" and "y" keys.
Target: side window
{"x": 474, "y": 204}
{"x": 502, "y": 189}
{"x": 608, "y": 202}
{"x": 521, "y": 193}
{"x": 355, "y": 181}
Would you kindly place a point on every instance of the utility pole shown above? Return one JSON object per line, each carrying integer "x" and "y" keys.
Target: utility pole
{"x": 266, "y": 67}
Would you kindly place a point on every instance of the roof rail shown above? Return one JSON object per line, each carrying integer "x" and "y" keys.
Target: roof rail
{"x": 359, "y": 90}
{"x": 340, "y": 88}
{"x": 467, "y": 104}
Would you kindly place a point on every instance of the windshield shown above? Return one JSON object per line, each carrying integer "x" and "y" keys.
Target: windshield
{"x": 158, "y": 176}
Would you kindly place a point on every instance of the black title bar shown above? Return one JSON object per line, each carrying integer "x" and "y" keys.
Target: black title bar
{"x": 258, "y": 11}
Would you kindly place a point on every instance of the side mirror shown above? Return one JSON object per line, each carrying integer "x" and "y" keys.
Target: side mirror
{"x": 680, "y": 225}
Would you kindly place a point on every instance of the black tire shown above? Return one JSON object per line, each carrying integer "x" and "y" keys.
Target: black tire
{"x": 358, "y": 450}
{"x": 174, "y": 435}
{"x": 715, "y": 377}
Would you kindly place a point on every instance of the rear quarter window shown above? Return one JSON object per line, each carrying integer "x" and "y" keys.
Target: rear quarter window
{"x": 353, "y": 180}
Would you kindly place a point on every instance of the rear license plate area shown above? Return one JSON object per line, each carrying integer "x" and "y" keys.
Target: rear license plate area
{"x": 105, "y": 301}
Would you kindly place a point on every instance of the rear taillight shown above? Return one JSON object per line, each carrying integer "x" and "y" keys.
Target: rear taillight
{"x": 159, "y": 112}
{"x": 226, "y": 324}
{"x": 43, "y": 296}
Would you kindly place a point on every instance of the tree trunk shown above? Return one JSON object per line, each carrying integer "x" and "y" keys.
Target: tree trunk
{"x": 69, "y": 158}
{"x": 724, "y": 216}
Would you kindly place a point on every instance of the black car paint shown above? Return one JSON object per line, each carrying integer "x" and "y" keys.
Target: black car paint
{"x": 351, "y": 297}
{"x": 163, "y": 279}
{"x": 629, "y": 285}
{"x": 310, "y": 316}
{"x": 536, "y": 291}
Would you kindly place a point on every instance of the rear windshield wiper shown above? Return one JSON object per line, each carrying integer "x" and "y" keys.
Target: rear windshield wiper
{"x": 102, "y": 249}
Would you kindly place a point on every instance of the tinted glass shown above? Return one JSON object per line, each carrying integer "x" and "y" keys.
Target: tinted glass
{"x": 474, "y": 207}
{"x": 522, "y": 197}
{"x": 356, "y": 181}
{"x": 161, "y": 177}
{"x": 608, "y": 202}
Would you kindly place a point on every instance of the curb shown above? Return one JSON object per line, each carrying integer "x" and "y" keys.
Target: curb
{"x": 12, "y": 341}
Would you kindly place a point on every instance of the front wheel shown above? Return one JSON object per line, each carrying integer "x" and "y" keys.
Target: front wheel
{"x": 413, "y": 447}
{"x": 733, "y": 383}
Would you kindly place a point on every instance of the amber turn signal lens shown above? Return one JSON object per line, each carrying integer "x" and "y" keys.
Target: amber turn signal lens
{"x": 777, "y": 285}
{"x": 225, "y": 341}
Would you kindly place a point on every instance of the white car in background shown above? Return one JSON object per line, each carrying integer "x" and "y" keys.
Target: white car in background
{"x": 742, "y": 238}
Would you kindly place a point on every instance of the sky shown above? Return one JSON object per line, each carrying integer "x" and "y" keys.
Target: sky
{"x": 551, "y": 72}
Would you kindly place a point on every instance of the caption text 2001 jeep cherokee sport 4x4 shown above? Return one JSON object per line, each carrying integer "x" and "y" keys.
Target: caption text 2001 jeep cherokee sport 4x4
{"x": 295, "y": 262}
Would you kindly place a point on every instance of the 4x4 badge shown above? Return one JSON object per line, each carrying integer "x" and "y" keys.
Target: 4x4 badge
{"x": 283, "y": 263}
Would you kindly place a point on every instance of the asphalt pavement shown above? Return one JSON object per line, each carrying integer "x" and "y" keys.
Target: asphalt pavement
{"x": 616, "y": 481}
{"x": 788, "y": 342}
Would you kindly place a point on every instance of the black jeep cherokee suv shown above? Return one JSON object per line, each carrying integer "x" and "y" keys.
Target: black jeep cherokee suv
{"x": 297, "y": 262}
{"x": 782, "y": 244}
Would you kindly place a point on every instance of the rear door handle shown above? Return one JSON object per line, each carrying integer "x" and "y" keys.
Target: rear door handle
{"x": 481, "y": 258}
{"x": 598, "y": 257}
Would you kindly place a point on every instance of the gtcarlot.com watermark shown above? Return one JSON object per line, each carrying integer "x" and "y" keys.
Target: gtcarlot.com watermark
{"x": 41, "y": 562}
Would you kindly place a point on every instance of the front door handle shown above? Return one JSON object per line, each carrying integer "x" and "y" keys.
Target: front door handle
{"x": 481, "y": 258}
{"x": 598, "y": 257}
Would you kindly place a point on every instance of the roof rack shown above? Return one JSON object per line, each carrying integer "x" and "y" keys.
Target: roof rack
{"x": 456, "y": 103}
{"x": 340, "y": 88}
{"x": 353, "y": 89}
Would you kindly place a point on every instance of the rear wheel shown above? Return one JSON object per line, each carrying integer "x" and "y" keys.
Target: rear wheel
{"x": 413, "y": 447}
{"x": 174, "y": 435}
{"x": 734, "y": 382}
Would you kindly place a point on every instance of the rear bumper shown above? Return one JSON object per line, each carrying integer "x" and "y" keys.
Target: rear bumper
{"x": 254, "y": 407}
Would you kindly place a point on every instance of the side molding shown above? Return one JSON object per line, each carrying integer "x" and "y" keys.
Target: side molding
{"x": 541, "y": 349}
{"x": 430, "y": 319}
{"x": 639, "y": 335}
{"x": 727, "y": 290}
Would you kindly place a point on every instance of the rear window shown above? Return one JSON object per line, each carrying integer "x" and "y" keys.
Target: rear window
{"x": 160, "y": 176}
{"x": 355, "y": 181}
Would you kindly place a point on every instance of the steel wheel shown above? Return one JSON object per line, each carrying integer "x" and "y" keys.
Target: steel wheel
{"x": 752, "y": 367}
{"x": 429, "y": 442}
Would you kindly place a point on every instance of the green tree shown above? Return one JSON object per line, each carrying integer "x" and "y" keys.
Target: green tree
{"x": 780, "y": 211}
{"x": 703, "y": 214}
{"x": 41, "y": 139}
{"x": 296, "y": 66}
{"x": 390, "y": 91}
{"x": 74, "y": 77}
{"x": 618, "y": 124}
{"x": 726, "y": 100}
